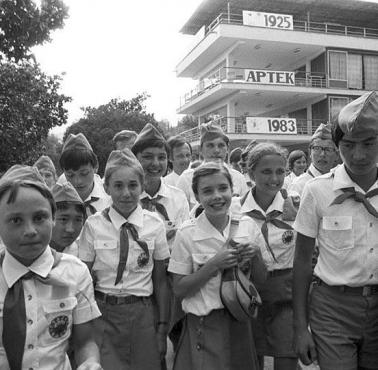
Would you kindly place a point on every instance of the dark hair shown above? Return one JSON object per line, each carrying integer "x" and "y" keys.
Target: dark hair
{"x": 235, "y": 155}
{"x": 74, "y": 159}
{"x": 206, "y": 169}
{"x": 176, "y": 142}
{"x": 64, "y": 205}
{"x": 13, "y": 188}
{"x": 337, "y": 134}
{"x": 294, "y": 156}
{"x": 152, "y": 143}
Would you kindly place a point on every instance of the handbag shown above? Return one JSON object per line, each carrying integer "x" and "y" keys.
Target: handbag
{"x": 238, "y": 294}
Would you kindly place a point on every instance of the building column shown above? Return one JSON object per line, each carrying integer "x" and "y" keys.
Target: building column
{"x": 309, "y": 119}
{"x": 231, "y": 117}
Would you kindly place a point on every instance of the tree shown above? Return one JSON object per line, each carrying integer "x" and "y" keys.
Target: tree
{"x": 23, "y": 25}
{"x": 30, "y": 102}
{"x": 30, "y": 105}
{"x": 100, "y": 124}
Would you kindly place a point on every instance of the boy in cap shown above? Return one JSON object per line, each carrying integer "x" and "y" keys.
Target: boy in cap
{"x": 180, "y": 156}
{"x": 46, "y": 297}
{"x": 340, "y": 211}
{"x": 80, "y": 164}
{"x": 47, "y": 170}
{"x": 69, "y": 219}
{"x": 170, "y": 203}
{"x": 124, "y": 139}
{"x": 213, "y": 148}
{"x": 323, "y": 154}
{"x": 126, "y": 248}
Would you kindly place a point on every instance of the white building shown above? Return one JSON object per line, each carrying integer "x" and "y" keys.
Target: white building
{"x": 276, "y": 69}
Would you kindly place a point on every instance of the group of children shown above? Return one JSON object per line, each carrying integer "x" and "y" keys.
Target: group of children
{"x": 104, "y": 269}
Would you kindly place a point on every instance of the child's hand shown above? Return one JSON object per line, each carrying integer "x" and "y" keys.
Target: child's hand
{"x": 225, "y": 259}
{"x": 247, "y": 251}
{"x": 90, "y": 365}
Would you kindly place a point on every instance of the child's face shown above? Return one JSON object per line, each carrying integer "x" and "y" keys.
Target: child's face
{"x": 48, "y": 176}
{"x": 214, "y": 150}
{"x": 68, "y": 225}
{"x": 154, "y": 161}
{"x": 125, "y": 189}
{"x": 299, "y": 166}
{"x": 269, "y": 174}
{"x": 82, "y": 180}
{"x": 26, "y": 224}
{"x": 359, "y": 154}
{"x": 181, "y": 158}
{"x": 214, "y": 193}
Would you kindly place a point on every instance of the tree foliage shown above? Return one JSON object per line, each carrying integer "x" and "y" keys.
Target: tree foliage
{"x": 101, "y": 123}
{"x": 24, "y": 25}
{"x": 30, "y": 105}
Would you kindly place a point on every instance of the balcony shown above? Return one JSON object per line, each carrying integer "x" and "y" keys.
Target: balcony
{"x": 237, "y": 76}
{"x": 304, "y": 26}
{"x": 304, "y": 127}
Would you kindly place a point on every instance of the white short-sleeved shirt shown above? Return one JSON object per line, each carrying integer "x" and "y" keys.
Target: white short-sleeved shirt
{"x": 100, "y": 242}
{"x": 172, "y": 178}
{"x": 98, "y": 191}
{"x": 298, "y": 184}
{"x": 176, "y": 205}
{"x": 346, "y": 233}
{"x": 196, "y": 243}
{"x": 289, "y": 179}
{"x": 281, "y": 241}
{"x": 50, "y": 310}
{"x": 184, "y": 183}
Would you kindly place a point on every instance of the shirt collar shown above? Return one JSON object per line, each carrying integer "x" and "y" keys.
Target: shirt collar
{"x": 205, "y": 230}
{"x": 314, "y": 170}
{"x": 98, "y": 189}
{"x": 342, "y": 180}
{"x": 250, "y": 204}
{"x": 163, "y": 191}
{"x": 14, "y": 270}
{"x": 136, "y": 218}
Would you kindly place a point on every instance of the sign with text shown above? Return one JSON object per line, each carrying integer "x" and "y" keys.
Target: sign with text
{"x": 268, "y": 20}
{"x": 267, "y": 125}
{"x": 269, "y": 77}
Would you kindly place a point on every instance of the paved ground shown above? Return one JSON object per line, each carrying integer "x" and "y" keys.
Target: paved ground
{"x": 268, "y": 361}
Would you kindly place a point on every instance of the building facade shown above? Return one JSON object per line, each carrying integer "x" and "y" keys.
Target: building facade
{"x": 276, "y": 69}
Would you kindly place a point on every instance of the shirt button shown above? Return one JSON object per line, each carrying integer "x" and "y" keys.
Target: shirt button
{"x": 371, "y": 250}
{"x": 30, "y": 297}
{"x": 62, "y": 305}
{"x": 371, "y": 276}
{"x": 30, "y": 346}
{"x": 30, "y": 321}
{"x": 371, "y": 224}
{"x": 198, "y": 347}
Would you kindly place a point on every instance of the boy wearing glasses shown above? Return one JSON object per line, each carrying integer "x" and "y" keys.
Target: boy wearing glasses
{"x": 340, "y": 211}
{"x": 323, "y": 155}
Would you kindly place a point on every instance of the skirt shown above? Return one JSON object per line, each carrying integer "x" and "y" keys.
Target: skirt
{"x": 215, "y": 342}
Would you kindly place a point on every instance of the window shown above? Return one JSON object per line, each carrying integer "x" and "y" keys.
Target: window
{"x": 335, "y": 105}
{"x": 371, "y": 72}
{"x": 354, "y": 71}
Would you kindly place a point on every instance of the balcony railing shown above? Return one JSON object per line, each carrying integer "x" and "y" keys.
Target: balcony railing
{"x": 237, "y": 75}
{"x": 304, "y": 26}
{"x": 238, "y": 124}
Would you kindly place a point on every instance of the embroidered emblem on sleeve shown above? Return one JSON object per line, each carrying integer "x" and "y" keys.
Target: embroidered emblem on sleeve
{"x": 142, "y": 259}
{"x": 287, "y": 236}
{"x": 58, "y": 327}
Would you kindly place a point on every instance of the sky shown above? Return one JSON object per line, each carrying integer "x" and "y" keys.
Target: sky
{"x": 117, "y": 49}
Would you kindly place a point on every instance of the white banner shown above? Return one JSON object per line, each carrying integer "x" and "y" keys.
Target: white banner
{"x": 269, "y": 20}
{"x": 257, "y": 76}
{"x": 267, "y": 125}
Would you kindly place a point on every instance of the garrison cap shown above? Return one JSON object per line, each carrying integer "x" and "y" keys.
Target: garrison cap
{"x": 149, "y": 132}
{"x": 65, "y": 193}
{"x": 23, "y": 174}
{"x": 235, "y": 155}
{"x": 124, "y": 135}
{"x": 247, "y": 149}
{"x": 323, "y": 132}
{"x": 211, "y": 132}
{"x": 44, "y": 162}
{"x": 76, "y": 142}
{"x": 360, "y": 115}
{"x": 119, "y": 158}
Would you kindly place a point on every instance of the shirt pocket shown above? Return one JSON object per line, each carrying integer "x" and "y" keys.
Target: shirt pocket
{"x": 199, "y": 259}
{"x": 58, "y": 315}
{"x": 138, "y": 258}
{"x": 338, "y": 231}
{"x": 107, "y": 254}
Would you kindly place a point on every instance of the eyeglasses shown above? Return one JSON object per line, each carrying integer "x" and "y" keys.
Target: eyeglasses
{"x": 325, "y": 149}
